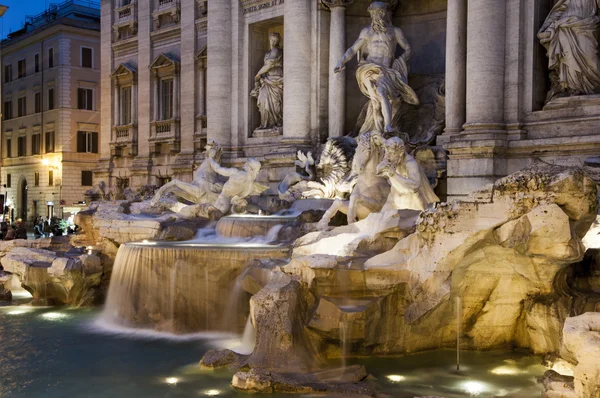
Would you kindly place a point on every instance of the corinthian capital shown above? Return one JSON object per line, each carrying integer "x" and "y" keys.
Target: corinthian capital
{"x": 336, "y": 3}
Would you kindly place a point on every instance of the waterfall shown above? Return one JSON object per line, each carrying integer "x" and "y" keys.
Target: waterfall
{"x": 179, "y": 287}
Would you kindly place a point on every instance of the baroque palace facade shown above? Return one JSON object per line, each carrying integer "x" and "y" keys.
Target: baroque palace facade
{"x": 179, "y": 73}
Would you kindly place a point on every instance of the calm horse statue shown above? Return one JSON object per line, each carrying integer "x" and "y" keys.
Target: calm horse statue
{"x": 369, "y": 190}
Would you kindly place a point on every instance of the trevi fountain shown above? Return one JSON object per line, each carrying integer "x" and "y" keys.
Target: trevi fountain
{"x": 356, "y": 273}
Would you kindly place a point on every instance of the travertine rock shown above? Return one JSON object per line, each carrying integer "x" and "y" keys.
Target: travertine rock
{"x": 503, "y": 251}
{"x": 581, "y": 345}
{"x": 55, "y": 280}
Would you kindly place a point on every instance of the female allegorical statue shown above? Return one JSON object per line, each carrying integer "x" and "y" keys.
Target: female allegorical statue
{"x": 570, "y": 35}
{"x": 268, "y": 86}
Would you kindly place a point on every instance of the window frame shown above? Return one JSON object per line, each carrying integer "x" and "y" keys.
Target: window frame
{"x": 22, "y": 71}
{"x": 50, "y": 178}
{"x": 36, "y": 137}
{"x": 81, "y": 48}
{"x": 37, "y": 102}
{"x": 85, "y": 102}
{"x": 86, "y": 141}
{"x": 36, "y": 179}
{"x": 8, "y": 75}
{"x": 84, "y": 176}
{"x": 124, "y": 109}
{"x": 49, "y": 139}
{"x": 22, "y": 146}
{"x": 8, "y": 148}
{"x": 7, "y": 111}
{"x": 22, "y": 106}
{"x": 50, "y": 57}
{"x": 51, "y": 105}
{"x": 36, "y": 63}
{"x": 163, "y": 98}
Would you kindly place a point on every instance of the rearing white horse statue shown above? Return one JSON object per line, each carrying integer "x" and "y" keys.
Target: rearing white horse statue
{"x": 370, "y": 190}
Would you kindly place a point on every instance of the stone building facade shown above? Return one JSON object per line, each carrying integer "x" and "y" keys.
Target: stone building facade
{"x": 176, "y": 73}
{"x": 51, "y": 103}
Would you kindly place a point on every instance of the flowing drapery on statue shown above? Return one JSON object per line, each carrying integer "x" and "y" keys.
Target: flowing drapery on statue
{"x": 570, "y": 35}
{"x": 381, "y": 78}
{"x": 393, "y": 82}
{"x": 268, "y": 88}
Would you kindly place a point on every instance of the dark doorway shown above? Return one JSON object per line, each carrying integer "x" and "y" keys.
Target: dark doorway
{"x": 23, "y": 204}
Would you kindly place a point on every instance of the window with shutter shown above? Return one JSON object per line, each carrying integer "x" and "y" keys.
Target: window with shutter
{"x": 37, "y": 102}
{"x": 49, "y": 141}
{"x": 50, "y": 178}
{"x": 8, "y": 148}
{"x": 35, "y": 144}
{"x": 50, "y": 99}
{"x": 36, "y": 179}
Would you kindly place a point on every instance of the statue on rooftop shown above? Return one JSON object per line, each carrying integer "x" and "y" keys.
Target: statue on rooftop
{"x": 268, "y": 86}
{"x": 570, "y": 36}
{"x": 383, "y": 79}
{"x": 410, "y": 187}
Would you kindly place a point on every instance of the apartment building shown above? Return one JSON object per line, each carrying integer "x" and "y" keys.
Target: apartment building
{"x": 51, "y": 110}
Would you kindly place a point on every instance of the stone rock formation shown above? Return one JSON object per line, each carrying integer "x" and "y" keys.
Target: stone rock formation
{"x": 71, "y": 280}
{"x": 503, "y": 251}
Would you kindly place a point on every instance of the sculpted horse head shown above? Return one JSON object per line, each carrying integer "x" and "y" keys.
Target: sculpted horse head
{"x": 369, "y": 152}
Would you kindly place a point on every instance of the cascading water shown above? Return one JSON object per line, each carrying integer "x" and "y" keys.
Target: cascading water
{"x": 182, "y": 287}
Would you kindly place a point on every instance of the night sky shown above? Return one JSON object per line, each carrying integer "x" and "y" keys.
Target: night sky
{"x": 17, "y": 10}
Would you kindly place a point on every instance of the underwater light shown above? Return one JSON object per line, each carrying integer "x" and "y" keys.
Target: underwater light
{"x": 506, "y": 371}
{"x": 395, "y": 378}
{"x": 172, "y": 380}
{"x": 212, "y": 393}
{"x": 53, "y": 315}
{"x": 16, "y": 312}
{"x": 473, "y": 387}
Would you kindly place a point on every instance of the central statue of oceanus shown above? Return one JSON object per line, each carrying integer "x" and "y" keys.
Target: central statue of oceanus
{"x": 383, "y": 79}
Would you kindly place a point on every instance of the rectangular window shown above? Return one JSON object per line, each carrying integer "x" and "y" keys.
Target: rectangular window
{"x": 8, "y": 148}
{"x": 50, "y": 99}
{"x": 125, "y": 105}
{"x": 22, "y": 68}
{"x": 8, "y": 180}
{"x": 37, "y": 102}
{"x": 7, "y": 110}
{"x": 36, "y": 144}
{"x": 86, "y": 178}
{"x": 50, "y": 178}
{"x": 87, "y": 142}
{"x": 86, "y": 57}
{"x": 36, "y": 63}
{"x": 50, "y": 58}
{"x": 166, "y": 89}
{"x": 36, "y": 179}
{"x": 49, "y": 141}
{"x": 22, "y": 107}
{"x": 7, "y": 73}
{"x": 85, "y": 97}
{"x": 21, "y": 146}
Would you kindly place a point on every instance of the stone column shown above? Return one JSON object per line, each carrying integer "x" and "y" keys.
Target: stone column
{"x": 456, "y": 66}
{"x": 297, "y": 73}
{"x": 337, "y": 81}
{"x": 201, "y": 88}
{"x": 155, "y": 84}
{"x": 186, "y": 98}
{"x": 486, "y": 35}
{"x": 219, "y": 70}
{"x": 176, "y": 93}
{"x": 106, "y": 62}
{"x": 117, "y": 98}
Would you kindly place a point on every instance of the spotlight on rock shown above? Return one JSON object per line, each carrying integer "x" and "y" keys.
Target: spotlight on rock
{"x": 212, "y": 393}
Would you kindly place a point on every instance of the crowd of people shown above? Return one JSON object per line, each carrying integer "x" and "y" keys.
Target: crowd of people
{"x": 42, "y": 228}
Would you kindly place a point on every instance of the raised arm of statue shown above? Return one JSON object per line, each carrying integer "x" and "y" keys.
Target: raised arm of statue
{"x": 224, "y": 171}
{"x": 356, "y": 47}
{"x": 410, "y": 183}
{"x": 402, "y": 42}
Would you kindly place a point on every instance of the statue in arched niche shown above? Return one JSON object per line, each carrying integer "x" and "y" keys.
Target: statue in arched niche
{"x": 268, "y": 86}
{"x": 570, "y": 35}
